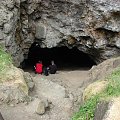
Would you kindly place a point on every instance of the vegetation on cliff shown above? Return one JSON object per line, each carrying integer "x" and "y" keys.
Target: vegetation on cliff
{"x": 5, "y": 60}
{"x": 86, "y": 111}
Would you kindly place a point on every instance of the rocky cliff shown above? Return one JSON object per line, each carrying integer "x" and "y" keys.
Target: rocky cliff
{"x": 93, "y": 26}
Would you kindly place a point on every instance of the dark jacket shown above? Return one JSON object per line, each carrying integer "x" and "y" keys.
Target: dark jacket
{"x": 52, "y": 69}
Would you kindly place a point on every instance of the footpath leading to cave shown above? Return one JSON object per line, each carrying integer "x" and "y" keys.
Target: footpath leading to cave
{"x": 63, "y": 91}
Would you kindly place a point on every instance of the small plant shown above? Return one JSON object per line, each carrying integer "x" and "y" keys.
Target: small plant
{"x": 5, "y": 60}
{"x": 86, "y": 111}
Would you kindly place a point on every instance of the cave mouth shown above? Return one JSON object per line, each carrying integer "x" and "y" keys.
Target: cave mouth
{"x": 65, "y": 58}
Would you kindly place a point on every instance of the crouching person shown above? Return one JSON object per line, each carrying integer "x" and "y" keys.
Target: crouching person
{"x": 39, "y": 67}
{"x": 52, "y": 68}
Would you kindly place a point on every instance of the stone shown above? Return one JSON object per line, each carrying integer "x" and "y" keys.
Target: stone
{"x": 93, "y": 25}
{"x": 29, "y": 80}
{"x": 66, "y": 104}
{"x": 53, "y": 93}
{"x": 13, "y": 87}
{"x": 108, "y": 110}
{"x": 37, "y": 106}
{"x": 1, "y": 35}
{"x": 40, "y": 108}
{"x": 118, "y": 43}
{"x": 94, "y": 88}
{"x": 101, "y": 110}
{"x": 40, "y": 31}
{"x": 105, "y": 68}
{"x": 113, "y": 112}
{"x": 7, "y": 28}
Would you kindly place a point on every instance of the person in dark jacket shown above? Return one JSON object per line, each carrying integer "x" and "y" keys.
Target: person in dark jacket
{"x": 52, "y": 68}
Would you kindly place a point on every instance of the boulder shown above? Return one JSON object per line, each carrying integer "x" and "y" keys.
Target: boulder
{"x": 29, "y": 80}
{"x": 113, "y": 112}
{"x": 38, "y": 106}
{"x": 40, "y": 31}
{"x": 101, "y": 109}
{"x": 108, "y": 110}
{"x": 104, "y": 69}
{"x": 50, "y": 90}
{"x": 13, "y": 87}
{"x": 94, "y": 89}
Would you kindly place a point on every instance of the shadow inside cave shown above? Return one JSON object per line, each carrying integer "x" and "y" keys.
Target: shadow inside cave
{"x": 66, "y": 59}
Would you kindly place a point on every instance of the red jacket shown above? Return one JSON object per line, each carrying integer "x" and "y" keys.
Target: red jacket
{"x": 39, "y": 67}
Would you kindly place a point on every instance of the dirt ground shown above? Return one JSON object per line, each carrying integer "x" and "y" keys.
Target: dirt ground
{"x": 73, "y": 81}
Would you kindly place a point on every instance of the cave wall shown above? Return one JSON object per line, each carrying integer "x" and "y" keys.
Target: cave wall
{"x": 93, "y": 26}
{"x": 9, "y": 25}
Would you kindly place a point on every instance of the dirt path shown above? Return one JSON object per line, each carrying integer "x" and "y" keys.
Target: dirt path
{"x": 61, "y": 108}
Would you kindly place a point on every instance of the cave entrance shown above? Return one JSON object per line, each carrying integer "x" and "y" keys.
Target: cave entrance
{"x": 65, "y": 58}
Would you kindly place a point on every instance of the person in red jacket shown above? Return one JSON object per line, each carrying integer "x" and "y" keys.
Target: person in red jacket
{"x": 39, "y": 67}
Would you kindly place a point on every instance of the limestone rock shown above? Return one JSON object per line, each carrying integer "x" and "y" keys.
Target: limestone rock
{"x": 40, "y": 31}
{"x": 50, "y": 90}
{"x": 94, "y": 89}
{"x": 13, "y": 87}
{"x": 40, "y": 108}
{"x": 37, "y": 106}
{"x": 108, "y": 110}
{"x": 113, "y": 113}
{"x": 29, "y": 80}
{"x": 94, "y": 26}
{"x": 1, "y": 35}
{"x": 66, "y": 104}
{"x": 104, "y": 69}
{"x": 101, "y": 110}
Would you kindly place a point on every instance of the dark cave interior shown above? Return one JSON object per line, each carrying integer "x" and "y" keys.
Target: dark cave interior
{"x": 64, "y": 57}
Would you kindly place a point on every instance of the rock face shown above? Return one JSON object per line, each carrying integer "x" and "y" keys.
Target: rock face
{"x": 94, "y": 88}
{"x": 93, "y": 26}
{"x": 102, "y": 70}
{"x": 113, "y": 112}
{"x": 13, "y": 86}
{"x": 108, "y": 110}
{"x": 101, "y": 110}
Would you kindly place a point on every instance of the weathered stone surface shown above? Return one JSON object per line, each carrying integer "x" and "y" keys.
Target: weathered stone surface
{"x": 108, "y": 110}
{"x": 40, "y": 31}
{"x": 50, "y": 90}
{"x": 101, "y": 110}
{"x": 37, "y": 106}
{"x": 13, "y": 87}
{"x": 102, "y": 70}
{"x": 93, "y": 25}
{"x": 29, "y": 80}
{"x": 113, "y": 113}
{"x": 1, "y": 35}
{"x": 94, "y": 89}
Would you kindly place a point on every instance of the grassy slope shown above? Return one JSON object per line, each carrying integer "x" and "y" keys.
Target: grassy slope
{"x": 86, "y": 112}
{"x": 5, "y": 61}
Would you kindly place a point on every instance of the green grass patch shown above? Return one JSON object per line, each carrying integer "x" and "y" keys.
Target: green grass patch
{"x": 86, "y": 111}
{"x": 5, "y": 61}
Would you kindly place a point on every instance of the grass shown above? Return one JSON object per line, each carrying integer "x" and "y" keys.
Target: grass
{"x": 5, "y": 61}
{"x": 86, "y": 111}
